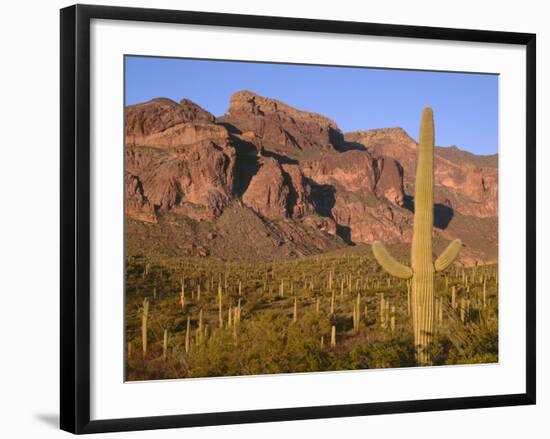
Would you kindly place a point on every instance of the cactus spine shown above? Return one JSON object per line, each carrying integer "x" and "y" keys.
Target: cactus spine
{"x": 422, "y": 266}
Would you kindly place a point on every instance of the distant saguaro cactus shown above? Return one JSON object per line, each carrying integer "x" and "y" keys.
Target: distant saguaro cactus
{"x": 188, "y": 335}
{"x": 453, "y": 297}
{"x": 422, "y": 266}
{"x": 333, "y": 336}
{"x": 220, "y": 310}
{"x": 144, "y": 315}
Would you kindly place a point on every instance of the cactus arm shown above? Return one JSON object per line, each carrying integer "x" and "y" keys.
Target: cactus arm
{"x": 389, "y": 263}
{"x": 448, "y": 256}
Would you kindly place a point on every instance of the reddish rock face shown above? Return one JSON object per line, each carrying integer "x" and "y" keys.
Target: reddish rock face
{"x": 268, "y": 191}
{"x": 323, "y": 223}
{"x": 179, "y": 135}
{"x": 368, "y": 223}
{"x": 295, "y": 172}
{"x": 195, "y": 180}
{"x": 137, "y": 205}
{"x": 159, "y": 114}
{"x": 367, "y": 193}
{"x": 277, "y": 123}
{"x": 358, "y": 172}
{"x": 461, "y": 182}
{"x": 390, "y": 181}
{"x": 184, "y": 160}
{"x": 163, "y": 123}
{"x": 470, "y": 189}
{"x": 279, "y": 191}
{"x": 299, "y": 200}
{"x": 388, "y": 142}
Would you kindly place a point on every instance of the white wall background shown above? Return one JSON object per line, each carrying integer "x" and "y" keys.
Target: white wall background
{"x": 29, "y": 187}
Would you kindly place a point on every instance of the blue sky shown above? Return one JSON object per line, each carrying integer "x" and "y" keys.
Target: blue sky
{"x": 465, "y": 105}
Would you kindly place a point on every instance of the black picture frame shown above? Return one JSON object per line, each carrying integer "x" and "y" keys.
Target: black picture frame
{"x": 75, "y": 217}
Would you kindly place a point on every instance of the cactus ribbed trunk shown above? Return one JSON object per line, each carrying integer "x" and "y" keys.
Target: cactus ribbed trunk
{"x": 421, "y": 257}
{"x": 422, "y": 267}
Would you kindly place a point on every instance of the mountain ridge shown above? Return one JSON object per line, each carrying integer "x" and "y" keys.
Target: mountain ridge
{"x": 311, "y": 186}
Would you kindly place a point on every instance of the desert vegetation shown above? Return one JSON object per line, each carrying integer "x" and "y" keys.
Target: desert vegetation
{"x": 200, "y": 317}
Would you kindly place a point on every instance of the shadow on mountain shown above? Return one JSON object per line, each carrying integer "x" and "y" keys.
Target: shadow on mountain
{"x": 443, "y": 214}
{"x": 229, "y": 127}
{"x": 344, "y": 232}
{"x": 246, "y": 165}
{"x": 292, "y": 139}
{"x": 292, "y": 198}
{"x": 323, "y": 198}
{"x": 337, "y": 139}
{"x": 282, "y": 159}
{"x": 352, "y": 146}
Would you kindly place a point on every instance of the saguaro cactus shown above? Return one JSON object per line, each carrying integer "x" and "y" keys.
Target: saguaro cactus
{"x": 144, "y": 315}
{"x": 422, "y": 267}
{"x": 188, "y": 335}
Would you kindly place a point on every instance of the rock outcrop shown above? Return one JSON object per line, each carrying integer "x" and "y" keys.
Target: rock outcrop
{"x": 136, "y": 203}
{"x": 268, "y": 191}
{"x": 299, "y": 202}
{"x": 197, "y": 180}
{"x": 281, "y": 126}
{"x": 163, "y": 123}
{"x": 470, "y": 189}
{"x": 463, "y": 181}
{"x": 366, "y": 194}
{"x": 159, "y": 114}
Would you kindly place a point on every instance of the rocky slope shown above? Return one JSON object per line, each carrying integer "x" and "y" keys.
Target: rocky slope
{"x": 268, "y": 181}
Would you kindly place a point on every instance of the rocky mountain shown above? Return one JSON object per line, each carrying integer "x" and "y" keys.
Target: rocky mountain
{"x": 268, "y": 181}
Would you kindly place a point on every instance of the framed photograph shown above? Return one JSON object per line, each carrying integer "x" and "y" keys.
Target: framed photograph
{"x": 272, "y": 218}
